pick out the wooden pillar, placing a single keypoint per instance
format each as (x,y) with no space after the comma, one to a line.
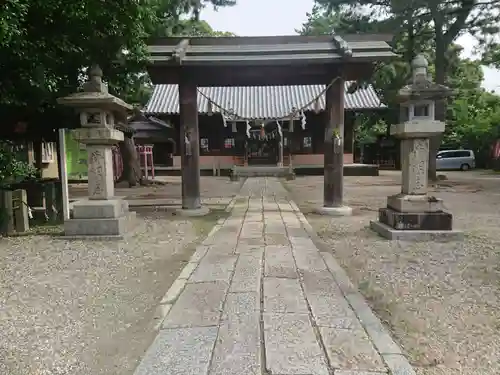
(334,154)
(190,144)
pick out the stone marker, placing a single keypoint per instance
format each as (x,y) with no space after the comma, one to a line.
(102,214)
(414,214)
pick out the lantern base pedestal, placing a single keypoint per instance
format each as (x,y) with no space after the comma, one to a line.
(415,226)
(187,212)
(333,211)
(99,219)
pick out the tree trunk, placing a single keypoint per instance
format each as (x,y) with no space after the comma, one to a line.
(131,166)
(440,110)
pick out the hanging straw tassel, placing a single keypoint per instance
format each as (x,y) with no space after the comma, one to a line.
(210,109)
(317,107)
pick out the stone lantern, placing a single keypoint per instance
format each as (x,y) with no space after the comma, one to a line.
(102,214)
(413,214)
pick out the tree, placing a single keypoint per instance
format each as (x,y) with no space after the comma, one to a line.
(46,46)
(446,19)
(63,38)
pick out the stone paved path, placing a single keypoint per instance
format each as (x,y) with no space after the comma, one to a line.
(258,297)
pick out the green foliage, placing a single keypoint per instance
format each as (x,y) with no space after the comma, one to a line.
(368,131)
(474,123)
(491,55)
(12,169)
(46,45)
(473,119)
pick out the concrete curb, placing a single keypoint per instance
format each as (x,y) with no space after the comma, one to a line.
(390,352)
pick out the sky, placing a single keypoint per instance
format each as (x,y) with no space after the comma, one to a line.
(282,17)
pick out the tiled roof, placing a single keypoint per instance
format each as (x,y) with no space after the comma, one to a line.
(259,102)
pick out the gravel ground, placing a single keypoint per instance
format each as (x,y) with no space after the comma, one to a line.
(85,308)
(440,300)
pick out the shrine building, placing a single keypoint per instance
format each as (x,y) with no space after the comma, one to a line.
(253,140)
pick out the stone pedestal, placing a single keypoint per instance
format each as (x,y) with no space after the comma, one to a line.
(99,219)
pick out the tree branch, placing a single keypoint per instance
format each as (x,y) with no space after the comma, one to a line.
(457,26)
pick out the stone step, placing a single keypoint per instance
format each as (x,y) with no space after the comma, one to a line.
(261,171)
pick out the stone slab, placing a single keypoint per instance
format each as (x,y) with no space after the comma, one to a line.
(199,305)
(99,209)
(172,352)
(328,305)
(276,239)
(237,350)
(247,275)
(214,268)
(416,220)
(416,235)
(283,296)
(351,350)
(99,227)
(252,242)
(241,303)
(308,259)
(291,347)
(279,262)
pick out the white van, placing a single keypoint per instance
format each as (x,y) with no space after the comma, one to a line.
(455,160)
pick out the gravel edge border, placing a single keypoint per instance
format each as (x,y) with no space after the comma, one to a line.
(389,350)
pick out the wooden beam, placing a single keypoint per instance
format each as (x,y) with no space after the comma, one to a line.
(258,76)
(190,145)
(333,190)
